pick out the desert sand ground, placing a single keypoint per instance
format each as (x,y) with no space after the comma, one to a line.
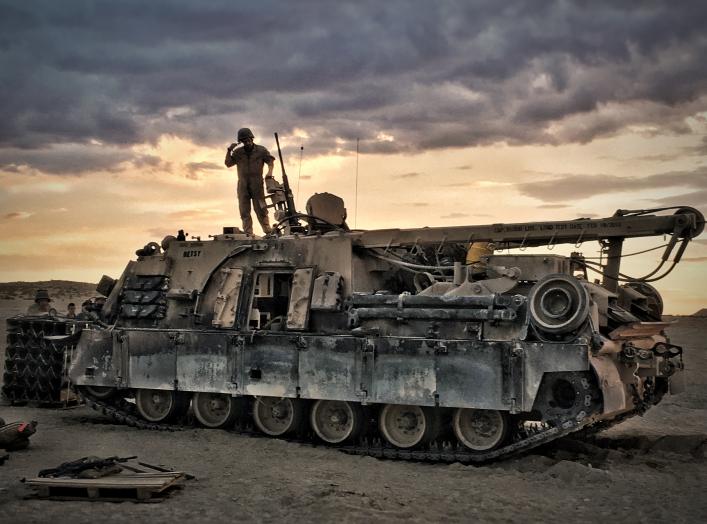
(649,469)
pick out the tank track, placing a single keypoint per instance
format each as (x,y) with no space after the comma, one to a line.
(125,412)
(35,363)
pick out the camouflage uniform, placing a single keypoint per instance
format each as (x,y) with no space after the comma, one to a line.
(250,183)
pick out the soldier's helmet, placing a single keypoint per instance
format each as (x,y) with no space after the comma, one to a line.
(243,133)
(42,294)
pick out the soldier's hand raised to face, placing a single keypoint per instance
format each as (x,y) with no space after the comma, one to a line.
(232,146)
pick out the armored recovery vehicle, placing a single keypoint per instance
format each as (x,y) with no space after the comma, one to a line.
(404,343)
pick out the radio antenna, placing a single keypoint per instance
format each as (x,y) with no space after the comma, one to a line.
(299,173)
(356,189)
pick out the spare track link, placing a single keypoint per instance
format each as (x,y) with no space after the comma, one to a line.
(125,413)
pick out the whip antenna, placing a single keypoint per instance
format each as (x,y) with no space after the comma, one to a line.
(356,189)
(299,173)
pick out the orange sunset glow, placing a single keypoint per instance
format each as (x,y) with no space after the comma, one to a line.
(106,147)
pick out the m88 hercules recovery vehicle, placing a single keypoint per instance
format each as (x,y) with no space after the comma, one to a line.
(393,342)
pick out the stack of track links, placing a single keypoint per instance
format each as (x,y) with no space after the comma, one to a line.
(36,359)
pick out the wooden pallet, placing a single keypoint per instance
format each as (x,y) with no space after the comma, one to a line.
(138,487)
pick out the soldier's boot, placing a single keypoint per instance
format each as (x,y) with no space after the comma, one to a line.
(261,211)
(247,225)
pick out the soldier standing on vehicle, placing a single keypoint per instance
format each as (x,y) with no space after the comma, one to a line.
(250,160)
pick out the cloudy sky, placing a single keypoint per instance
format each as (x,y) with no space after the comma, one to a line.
(114,117)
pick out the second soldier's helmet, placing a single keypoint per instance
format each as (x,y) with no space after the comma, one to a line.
(244,132)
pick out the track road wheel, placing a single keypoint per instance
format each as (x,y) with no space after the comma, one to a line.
(336,421)
(408,426)
(160,405)
(277,416)
(215,410)
(480,429)
(99,392)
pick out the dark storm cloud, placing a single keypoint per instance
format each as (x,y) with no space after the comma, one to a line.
(570,187)
(696,199)
(665,157)
(206,166)
(194,169)
(696,150)
(429,75)
(65,159)
(699,150)
(147,161)
(17,215)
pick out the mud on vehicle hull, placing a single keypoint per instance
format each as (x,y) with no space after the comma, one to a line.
(408,339)
(418,399)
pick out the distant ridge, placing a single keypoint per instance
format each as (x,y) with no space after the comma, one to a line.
(701,313)
(56,288)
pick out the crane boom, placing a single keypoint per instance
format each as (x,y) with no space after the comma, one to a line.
(687,222)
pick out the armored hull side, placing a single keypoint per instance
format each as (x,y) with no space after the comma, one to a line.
(331,335)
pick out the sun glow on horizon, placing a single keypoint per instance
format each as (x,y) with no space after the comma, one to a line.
(80,227)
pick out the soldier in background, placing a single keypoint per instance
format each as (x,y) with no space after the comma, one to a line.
(86,307)
(98,303)
(41,304)
(91,308)
(250,160)
(71,310)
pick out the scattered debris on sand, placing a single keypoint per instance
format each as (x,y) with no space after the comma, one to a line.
(15,435)
(113,479)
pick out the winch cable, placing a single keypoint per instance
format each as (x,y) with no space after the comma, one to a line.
(628,254)
(640,212)
(409,265)
(627,278)
(587,262)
